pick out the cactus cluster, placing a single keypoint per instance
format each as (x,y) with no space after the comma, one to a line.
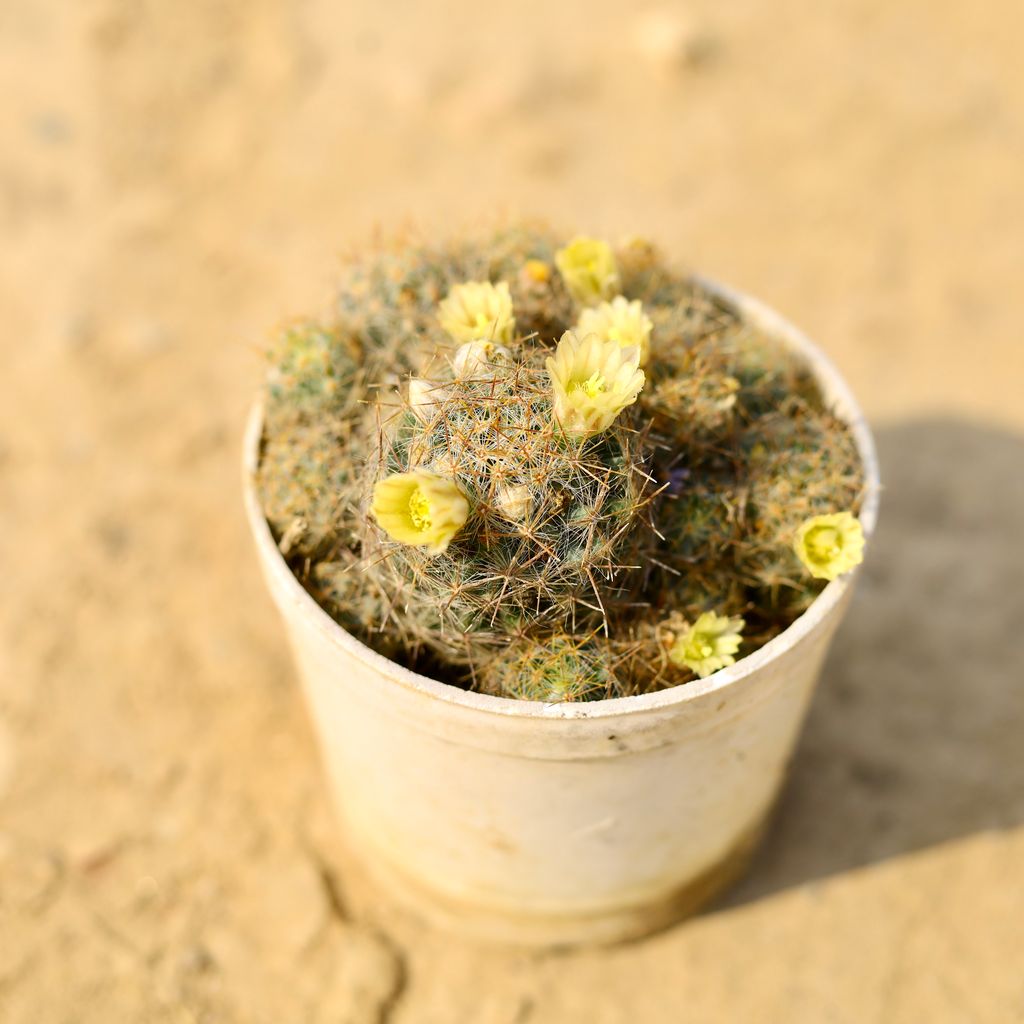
(551,471)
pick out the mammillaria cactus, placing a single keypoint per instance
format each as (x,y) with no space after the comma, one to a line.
(551,494)
(552,471)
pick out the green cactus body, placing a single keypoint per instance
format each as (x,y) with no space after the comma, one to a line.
(553,669)
(541,560)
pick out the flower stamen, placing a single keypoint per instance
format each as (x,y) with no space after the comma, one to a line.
(419,510)
(593,386)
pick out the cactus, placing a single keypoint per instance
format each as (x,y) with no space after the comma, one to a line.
(312,390)
(800,462)
(545,469)
(553,668)
(552,515)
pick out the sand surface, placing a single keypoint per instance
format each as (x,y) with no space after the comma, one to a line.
(178,177)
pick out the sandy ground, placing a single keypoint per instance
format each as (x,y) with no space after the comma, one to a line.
(177,177)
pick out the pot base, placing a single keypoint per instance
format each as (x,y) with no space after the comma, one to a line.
(604,927)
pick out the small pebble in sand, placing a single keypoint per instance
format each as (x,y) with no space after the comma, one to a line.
(671,41)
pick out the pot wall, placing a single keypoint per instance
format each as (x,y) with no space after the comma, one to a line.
(557,823)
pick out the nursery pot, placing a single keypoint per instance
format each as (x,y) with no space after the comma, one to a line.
(559,823)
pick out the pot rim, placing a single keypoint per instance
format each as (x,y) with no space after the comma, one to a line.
(838,396)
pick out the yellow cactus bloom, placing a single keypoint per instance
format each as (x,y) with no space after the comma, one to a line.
(621,321)
(475,357)
(420,508)
(830,545)
(537,271)
(478,309)
(592,381)
(589,270)
(709,644)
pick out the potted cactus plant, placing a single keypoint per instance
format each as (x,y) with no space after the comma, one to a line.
(560,534)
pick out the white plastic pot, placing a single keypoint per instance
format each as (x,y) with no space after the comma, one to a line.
(553,824)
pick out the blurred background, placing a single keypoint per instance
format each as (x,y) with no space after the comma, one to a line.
(177,178)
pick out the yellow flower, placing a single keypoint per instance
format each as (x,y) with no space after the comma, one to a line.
(474,357)
(588,268)
(709,644)
(420,508)
(621,321)
(592,381)
(537,271)
(830,545)
(478,309)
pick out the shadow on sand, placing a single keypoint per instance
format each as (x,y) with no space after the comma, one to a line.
(916,736)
